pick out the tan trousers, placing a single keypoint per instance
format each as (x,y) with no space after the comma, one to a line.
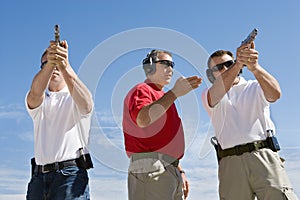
(150,179)
(258,174)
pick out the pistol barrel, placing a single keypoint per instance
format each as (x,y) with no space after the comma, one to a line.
(56,33)
(251,37)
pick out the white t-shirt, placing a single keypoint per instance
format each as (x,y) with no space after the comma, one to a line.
(59,129)
(242,115)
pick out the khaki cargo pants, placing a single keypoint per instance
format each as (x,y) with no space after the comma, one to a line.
(258,174)
(152,179)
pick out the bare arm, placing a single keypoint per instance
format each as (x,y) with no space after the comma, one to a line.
(186,185)
(269,85)
(39,84)
(222,84)
(79,92)
(150,113)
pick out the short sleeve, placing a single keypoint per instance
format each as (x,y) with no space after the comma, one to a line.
(208,109)
(139,98)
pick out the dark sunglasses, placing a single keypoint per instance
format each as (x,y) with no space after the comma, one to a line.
(166,62)
(43,64)
(220,66)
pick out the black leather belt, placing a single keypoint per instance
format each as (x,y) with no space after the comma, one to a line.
(55,166)
(240,149)
(155,155)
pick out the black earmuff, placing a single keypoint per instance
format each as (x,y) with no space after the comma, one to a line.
(210,76)
(148,62)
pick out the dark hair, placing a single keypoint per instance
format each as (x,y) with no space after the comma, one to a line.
(219,53)
(45,52)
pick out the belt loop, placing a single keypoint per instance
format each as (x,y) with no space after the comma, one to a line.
(237,150)
(35,170)
(56,166)
(160,156)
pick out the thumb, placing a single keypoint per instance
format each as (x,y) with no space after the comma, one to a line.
(252,45)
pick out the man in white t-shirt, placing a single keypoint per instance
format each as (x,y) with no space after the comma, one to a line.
(60,106)
(249,165)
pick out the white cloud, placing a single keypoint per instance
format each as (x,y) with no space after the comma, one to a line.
(13,183)
(26,136)
(12,111)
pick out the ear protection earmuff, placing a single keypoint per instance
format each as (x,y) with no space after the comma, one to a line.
(148,62)
(210,76)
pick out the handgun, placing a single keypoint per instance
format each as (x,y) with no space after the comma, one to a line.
(56,35)
(251,37)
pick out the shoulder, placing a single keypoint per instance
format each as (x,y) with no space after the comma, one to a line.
(140,87)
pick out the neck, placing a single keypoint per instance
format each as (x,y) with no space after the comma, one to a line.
(54,87)
(159,86)
(236,81)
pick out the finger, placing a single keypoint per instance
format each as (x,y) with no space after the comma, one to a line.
(51,56)
(195,81)
(59,51)
(195,85)
(192,78)
(66,44)
(63,44)
(252,45)
(244,46)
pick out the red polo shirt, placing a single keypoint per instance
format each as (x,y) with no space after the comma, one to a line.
(165,135)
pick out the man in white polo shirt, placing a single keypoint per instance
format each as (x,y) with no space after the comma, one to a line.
(60,106)
(249,165)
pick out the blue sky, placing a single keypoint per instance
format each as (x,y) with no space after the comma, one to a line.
(107,41)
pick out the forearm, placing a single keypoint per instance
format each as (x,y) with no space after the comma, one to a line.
(150,113)
(222,84)
(268,83)
(79,92)
(38,87)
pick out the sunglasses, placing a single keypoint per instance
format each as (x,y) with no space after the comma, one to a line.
(43,64)
(166,62)
(220,66)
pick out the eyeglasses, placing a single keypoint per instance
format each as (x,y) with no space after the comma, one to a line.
(166,62)
(220,66)
(43,64)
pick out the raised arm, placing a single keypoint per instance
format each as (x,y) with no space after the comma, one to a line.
(79,92)
(39,84)
(222,84)
(269,85)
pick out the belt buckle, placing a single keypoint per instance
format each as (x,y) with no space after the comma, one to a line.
(43,169)
(53,167)
(256,145)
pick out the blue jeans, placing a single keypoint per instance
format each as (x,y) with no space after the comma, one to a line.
(68,183)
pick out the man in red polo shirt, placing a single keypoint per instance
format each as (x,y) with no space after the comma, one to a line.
(154,137)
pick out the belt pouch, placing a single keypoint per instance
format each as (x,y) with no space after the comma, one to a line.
(33,165)
(84,161)
(273,143)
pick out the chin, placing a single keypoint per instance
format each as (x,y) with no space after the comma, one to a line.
(167,82)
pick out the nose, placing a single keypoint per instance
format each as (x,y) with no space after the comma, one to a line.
(224,68)
(169,68)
